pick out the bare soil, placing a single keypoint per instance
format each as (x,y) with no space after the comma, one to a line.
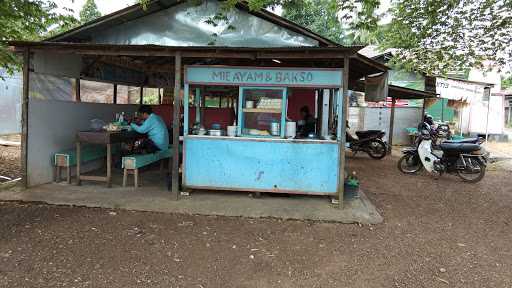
(10,163)
(437,233)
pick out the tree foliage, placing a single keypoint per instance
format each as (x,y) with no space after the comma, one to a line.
(506,82)
(325,18)
(440,36)
(89,12)
(26,20)
(319,16)
(434,36)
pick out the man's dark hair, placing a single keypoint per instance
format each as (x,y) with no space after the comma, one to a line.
(145,109)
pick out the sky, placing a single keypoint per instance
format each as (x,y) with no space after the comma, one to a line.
(105,6)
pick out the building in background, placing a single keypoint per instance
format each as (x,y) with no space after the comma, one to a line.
(10,103)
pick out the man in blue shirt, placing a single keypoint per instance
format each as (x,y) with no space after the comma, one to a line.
(155,128)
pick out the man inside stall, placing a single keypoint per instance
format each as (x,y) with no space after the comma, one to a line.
(306,125)
(154,128)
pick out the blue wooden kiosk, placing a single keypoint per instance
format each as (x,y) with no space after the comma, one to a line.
(256,159)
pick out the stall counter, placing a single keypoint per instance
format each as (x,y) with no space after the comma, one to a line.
(294,166)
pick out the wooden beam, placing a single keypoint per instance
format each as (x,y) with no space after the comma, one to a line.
(24,118)
(391,123)
(300,55)
(176,128)
(77,90)
(251,54)
(114,97)
(342,141)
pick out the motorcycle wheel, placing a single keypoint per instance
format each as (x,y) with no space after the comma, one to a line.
(471,176)
(410,164)
(376,149)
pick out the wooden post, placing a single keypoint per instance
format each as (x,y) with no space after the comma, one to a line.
(423,108)
(78,162)
(109,165)
(319,115)
(114,97)
(176,127)
(24,118)
(197,100)
(141,99)
(77,90)
(391,124)
(342,139)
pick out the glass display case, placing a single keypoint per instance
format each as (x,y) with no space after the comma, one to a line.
(262,111)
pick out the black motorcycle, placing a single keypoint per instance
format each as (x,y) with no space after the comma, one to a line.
(369,141)
(466,158)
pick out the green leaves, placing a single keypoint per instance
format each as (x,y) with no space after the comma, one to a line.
(437,37)
(89,12)
(25,20)
(431,36)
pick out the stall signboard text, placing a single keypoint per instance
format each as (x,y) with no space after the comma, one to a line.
(296,77)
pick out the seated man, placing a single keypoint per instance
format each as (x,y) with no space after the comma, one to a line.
(156,130)
(307,125)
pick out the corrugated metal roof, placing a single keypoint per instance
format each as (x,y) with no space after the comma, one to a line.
(136,11)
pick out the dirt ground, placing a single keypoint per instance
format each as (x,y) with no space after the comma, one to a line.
(10,164)
(436,233)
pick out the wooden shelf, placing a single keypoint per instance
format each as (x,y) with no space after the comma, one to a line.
(262,110)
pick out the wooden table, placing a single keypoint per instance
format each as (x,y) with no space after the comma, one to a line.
(104,138)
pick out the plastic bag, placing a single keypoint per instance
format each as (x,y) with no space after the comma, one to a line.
(97,124)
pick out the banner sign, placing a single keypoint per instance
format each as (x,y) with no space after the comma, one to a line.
(376,88)
(459,90)
(256,76)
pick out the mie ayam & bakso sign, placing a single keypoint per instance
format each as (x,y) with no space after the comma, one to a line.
(245,76)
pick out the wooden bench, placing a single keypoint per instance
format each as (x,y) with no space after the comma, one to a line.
(67,159)
(132,163)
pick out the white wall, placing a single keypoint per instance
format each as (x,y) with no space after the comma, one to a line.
(57,64)
(10,103)
(52,127)
(375,118)
(474,116)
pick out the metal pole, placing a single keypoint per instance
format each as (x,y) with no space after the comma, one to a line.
(197,100)
(141,96)
(487,92)
(24,118)
(176,127)
(341,132)
(391,123)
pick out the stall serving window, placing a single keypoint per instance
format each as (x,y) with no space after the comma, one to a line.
(258,102)
(262,112)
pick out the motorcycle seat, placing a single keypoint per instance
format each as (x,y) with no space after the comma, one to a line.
(368,134)
(459,147)
(466,140)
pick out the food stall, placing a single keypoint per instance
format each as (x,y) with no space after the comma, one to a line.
(261,151)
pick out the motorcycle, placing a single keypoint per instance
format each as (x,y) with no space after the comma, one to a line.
(369,141)
(465,158)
